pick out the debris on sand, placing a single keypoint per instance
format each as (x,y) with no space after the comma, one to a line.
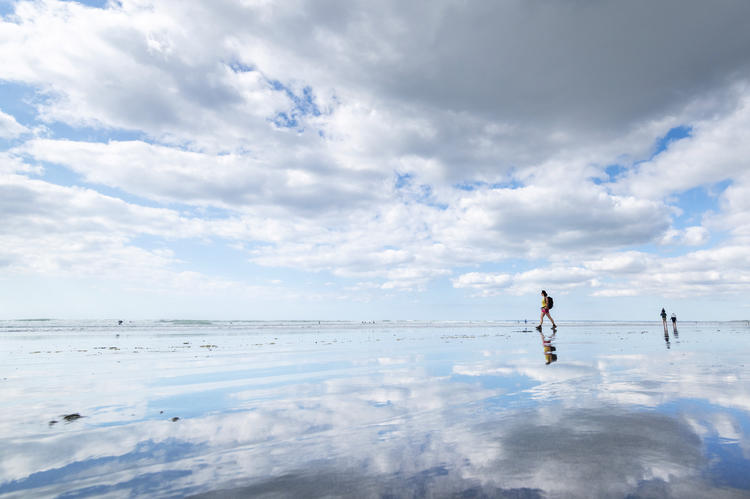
(69,418)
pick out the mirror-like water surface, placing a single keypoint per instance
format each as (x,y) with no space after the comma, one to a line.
(220,409)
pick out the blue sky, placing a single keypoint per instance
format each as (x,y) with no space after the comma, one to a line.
(436,161)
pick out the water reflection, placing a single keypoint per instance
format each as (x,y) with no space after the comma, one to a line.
(550,350)
(440,411)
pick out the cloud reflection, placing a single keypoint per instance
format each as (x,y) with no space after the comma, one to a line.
(420,423)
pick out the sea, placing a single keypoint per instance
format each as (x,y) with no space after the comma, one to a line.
(470,409)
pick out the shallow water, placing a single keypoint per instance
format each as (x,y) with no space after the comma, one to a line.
(408,409)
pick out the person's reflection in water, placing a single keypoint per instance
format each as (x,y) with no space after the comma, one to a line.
(666,338)
(549,349)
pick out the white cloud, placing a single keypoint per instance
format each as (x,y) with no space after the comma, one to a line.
(166,68)
(9,127)
(692,236)
(11,163)
(719,270)
(406,240)
(397,144)
(172,175)
(715,151)
(485,284)
(559,277)
(68,231)
(621,263)
(561,215)
(722,270)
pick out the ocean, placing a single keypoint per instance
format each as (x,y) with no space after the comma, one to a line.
(373,409)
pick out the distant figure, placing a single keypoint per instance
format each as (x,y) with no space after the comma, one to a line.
(674,323)
(119,323)
(545,311)
(664,319)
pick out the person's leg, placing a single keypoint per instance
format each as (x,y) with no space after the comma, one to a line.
(541,319)
(551,319)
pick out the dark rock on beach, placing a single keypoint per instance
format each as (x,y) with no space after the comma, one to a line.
(68,418)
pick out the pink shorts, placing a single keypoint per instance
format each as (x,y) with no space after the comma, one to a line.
(545,310)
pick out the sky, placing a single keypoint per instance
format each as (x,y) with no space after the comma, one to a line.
(365,160)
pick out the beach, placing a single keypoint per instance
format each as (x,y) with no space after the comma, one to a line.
(351,409)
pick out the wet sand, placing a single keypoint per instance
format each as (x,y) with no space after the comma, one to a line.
(220,409)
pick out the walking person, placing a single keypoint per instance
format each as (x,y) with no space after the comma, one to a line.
(664,319)
(674,323)
(546,305)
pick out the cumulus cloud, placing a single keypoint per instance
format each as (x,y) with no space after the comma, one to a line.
(172,175)
(560,277)
(11,163)
(397,144)
(70,231)
(520,79)
(397,230)
(714,151)
(9,127)
(690,236)
(484,284)
(722,270)
(560,214)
